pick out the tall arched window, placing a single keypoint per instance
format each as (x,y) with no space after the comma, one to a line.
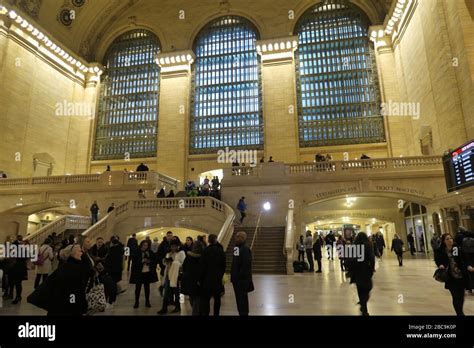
(127,124)
(226,101)
(338,91)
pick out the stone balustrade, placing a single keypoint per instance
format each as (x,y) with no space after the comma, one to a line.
(58,226)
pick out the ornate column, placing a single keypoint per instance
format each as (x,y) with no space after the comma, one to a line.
(173,127)
(279,98)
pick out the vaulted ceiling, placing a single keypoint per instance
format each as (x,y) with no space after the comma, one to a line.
(87,27)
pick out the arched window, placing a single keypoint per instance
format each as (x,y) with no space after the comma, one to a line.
(338,91)
(226,101)
(127,124)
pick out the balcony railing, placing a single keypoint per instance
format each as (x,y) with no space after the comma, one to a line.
(106,178)
(166,205)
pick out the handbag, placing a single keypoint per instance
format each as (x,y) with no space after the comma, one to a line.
(41,297)
(95,297)
(441,275)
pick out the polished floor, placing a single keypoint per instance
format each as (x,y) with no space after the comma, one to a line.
(407,290)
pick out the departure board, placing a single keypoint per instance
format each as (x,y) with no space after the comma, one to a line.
(459,167)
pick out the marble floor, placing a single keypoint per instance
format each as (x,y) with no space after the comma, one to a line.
(407,290)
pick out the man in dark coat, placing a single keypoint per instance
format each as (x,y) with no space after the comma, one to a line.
(114,260)
(213,269)
(411,242)
(94,212)
(317,246)
(241,273)
(163,249)
(132,245)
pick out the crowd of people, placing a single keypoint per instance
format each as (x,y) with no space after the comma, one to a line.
(454,258)
(71,268)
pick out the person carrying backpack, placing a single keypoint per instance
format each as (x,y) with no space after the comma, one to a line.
(44,263)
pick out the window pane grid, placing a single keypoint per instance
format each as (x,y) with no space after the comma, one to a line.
(129,96)
(227,100)
(338,92)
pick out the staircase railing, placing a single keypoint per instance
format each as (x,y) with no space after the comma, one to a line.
(288,246)
(227,229)
(58,226)
(256,231)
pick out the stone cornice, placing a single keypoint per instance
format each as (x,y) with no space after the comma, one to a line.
(277,50)
(175,63)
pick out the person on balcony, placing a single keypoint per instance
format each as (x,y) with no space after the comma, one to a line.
(241,273)
(108,169)
(143,272)
(171,194)
(271,160)
(44,263)
(142,168)
(328,157)
(242,208)
(161,194)
(94,212)
(141,194)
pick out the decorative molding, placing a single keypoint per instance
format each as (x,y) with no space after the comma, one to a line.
(34,40)
(277,50)
(175,63)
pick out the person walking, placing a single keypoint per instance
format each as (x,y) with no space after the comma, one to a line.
(94,212)
(379,244)
(450,258)
(308,244)
(143,272)
(132,245)
(397,247)
(411,243)
(330,240)
(301,249)
(241,273)
(213,268)
(44,264)
(317,250)
(361,270)
(340,251)
(163,249)
(111,208)
(242,208)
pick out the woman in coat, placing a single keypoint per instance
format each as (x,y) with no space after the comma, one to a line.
(143,272)
(451,258)
(361,270)
(44,264)
(68,290)
(174,261)
(397,247)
